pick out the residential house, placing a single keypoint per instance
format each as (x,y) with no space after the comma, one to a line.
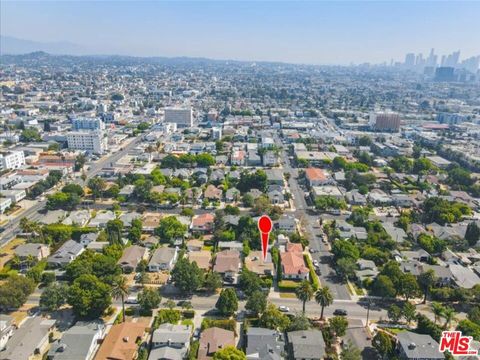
(238,157)
(228,262)
(397,234)
(355,198)
(254,262)
(269,158)
(264,344)
(326,190)
(293,263)
(86,239)
(213,193)
(317,177)
(128,217)
(202,223)
(464,277)
(150,221)
(203,258)
(274,177)
(32,250)
(29,339)
(232,195)
(68,252)
(276,197)
(306,344)
(78,342)
(121,342)
(131,258)
(97,246)
(79,217)
(379,197)
(413,346)
(366,270)
(214,339)
(253,159)
(170,341)
(164,258)
(230,245)
(416,255)
(127,191)
(194,245)
(287,223)
(102,218)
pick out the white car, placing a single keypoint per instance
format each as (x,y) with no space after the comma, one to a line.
(283,308)
(131,300)
(315,263)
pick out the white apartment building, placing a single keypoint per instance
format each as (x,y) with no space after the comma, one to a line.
(91,141)
(83,123)
(4,204)
(11,160)
(183,117)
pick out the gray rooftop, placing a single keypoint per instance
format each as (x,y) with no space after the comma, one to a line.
(264,344)
(307,344)
(77,341)
(419,346)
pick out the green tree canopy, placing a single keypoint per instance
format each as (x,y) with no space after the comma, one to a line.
(54,296)
(89,297)
(227,303)
(256,303)
(169,229)
(149,299)
(187,276)
(229,353)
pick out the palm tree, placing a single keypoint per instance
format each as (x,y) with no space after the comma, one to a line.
(449,316)
(324,298)
(304,293)
(438,310)
(120,290)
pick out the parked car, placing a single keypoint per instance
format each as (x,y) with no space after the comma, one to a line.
(283,308)
(131,300)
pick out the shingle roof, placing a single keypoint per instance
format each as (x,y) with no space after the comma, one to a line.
(419,346)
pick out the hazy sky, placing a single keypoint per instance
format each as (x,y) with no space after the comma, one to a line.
(301,32)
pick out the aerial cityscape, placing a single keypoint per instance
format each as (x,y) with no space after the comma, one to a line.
(195,206)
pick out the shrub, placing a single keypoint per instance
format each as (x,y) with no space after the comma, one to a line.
(166,316)
(313,275)
(188,314)
(227,324)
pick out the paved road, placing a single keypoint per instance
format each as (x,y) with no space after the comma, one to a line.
(33,214)
(310,224)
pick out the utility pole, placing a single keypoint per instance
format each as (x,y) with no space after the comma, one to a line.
(368,311)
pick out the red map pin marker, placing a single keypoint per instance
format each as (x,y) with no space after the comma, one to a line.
(265,226)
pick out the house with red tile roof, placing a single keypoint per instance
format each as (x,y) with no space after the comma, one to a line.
(202,223)
(293,263)
(317,177)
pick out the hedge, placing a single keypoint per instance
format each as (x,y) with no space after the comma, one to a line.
(313,275)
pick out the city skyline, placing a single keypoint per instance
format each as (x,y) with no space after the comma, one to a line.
(330,33)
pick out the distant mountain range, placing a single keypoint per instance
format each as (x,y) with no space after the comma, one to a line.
(14,46)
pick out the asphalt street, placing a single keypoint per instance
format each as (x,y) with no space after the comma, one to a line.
(312,229)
